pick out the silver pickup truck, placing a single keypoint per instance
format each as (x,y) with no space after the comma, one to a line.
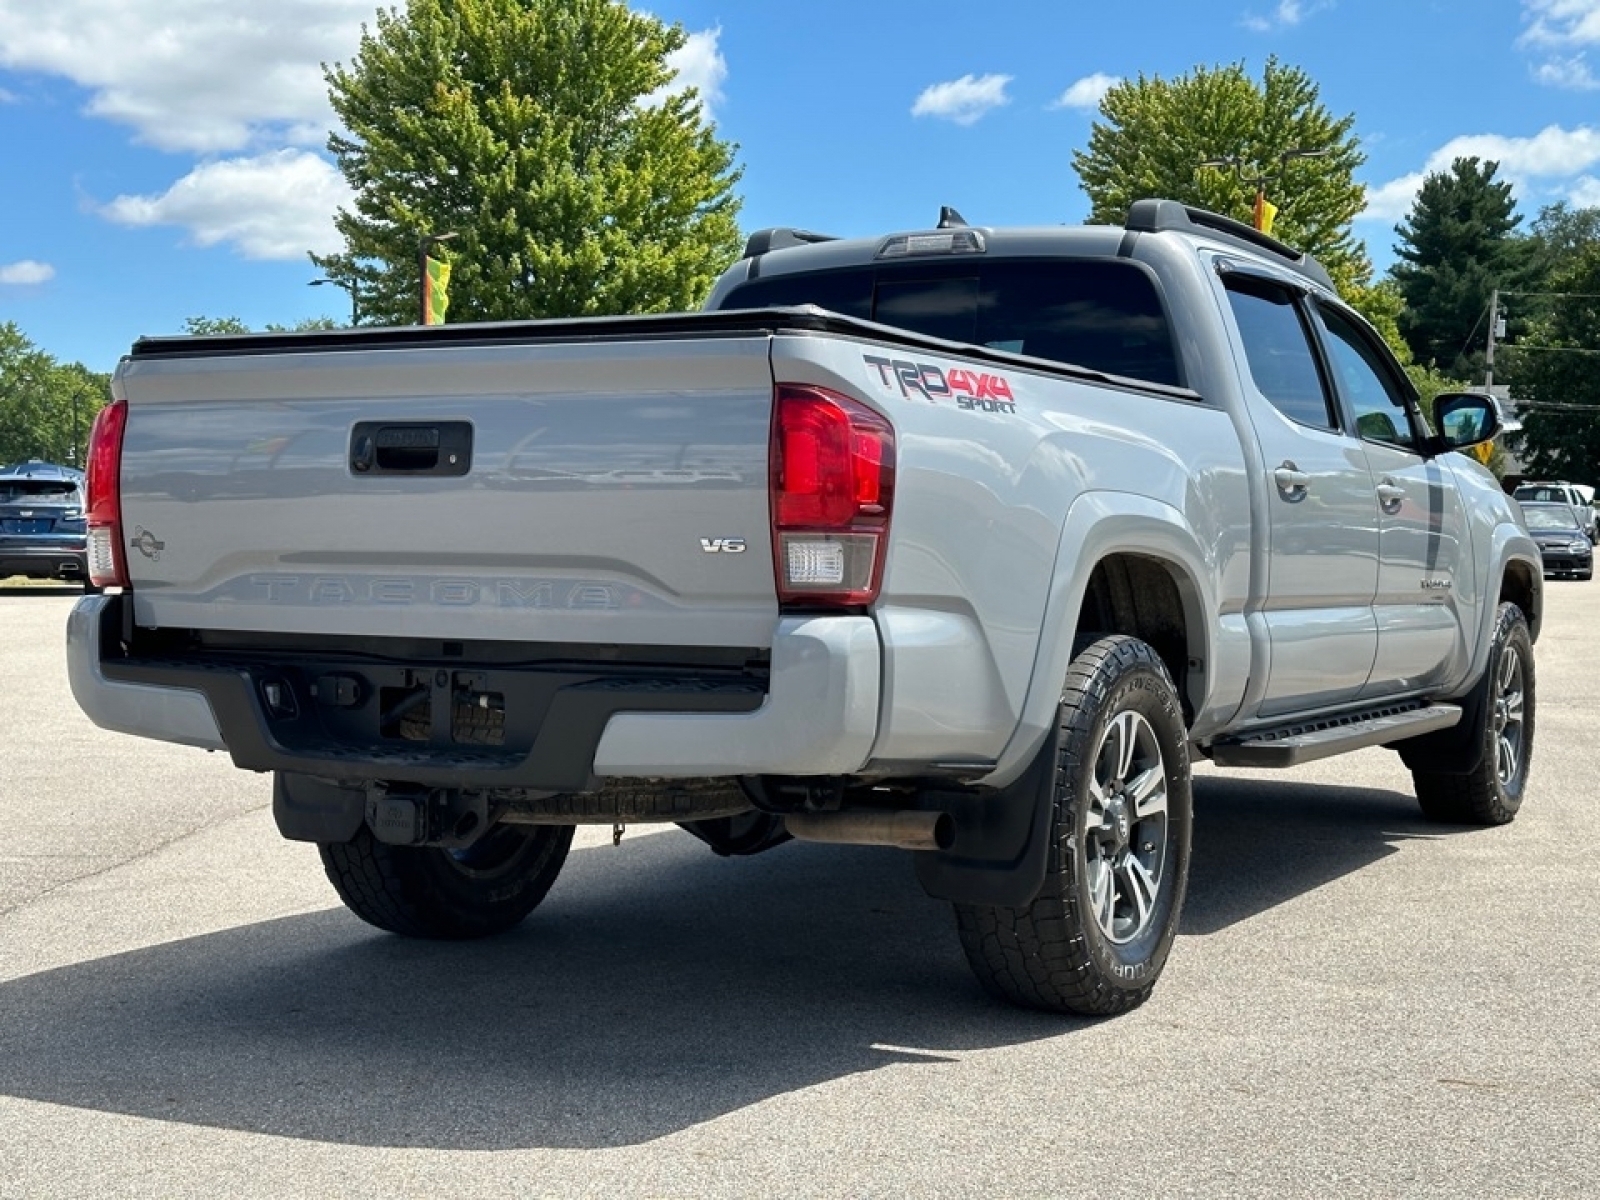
(962,541)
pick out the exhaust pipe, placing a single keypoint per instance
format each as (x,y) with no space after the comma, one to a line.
(907,829)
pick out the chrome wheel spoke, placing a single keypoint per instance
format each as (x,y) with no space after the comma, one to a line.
(1508,670)
(1149,792)
(1507,756)
(1138,887)
(1102,893)
(1098,802)
(1125,732)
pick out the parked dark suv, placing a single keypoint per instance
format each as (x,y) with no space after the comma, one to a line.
(1563,542)
(42,531)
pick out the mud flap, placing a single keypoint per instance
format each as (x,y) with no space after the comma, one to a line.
(1453,751)
(1001,847)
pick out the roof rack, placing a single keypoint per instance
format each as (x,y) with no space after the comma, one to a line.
(1156,216)
(781,238)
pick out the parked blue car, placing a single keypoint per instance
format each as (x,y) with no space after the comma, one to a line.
(42,529)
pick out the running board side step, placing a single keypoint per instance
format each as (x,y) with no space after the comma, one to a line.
(1290,745)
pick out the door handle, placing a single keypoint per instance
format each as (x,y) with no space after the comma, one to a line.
(1292,482)
(1390,496)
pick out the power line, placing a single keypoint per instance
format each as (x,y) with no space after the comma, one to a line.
(1548,349)
(1568,295)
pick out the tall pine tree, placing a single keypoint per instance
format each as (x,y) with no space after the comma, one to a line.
(541,135)
(1456,246)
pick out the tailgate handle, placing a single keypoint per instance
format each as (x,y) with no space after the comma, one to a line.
(411,448)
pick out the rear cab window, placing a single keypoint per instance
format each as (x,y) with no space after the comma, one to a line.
(1103,315)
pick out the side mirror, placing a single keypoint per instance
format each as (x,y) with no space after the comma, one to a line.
(1465,419)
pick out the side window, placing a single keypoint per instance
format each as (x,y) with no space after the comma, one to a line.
(1278,348)
(1365,381)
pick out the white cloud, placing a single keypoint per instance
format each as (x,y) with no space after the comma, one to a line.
(964,100)
(1286,15)
(699,64)
(1552,154)
(27,272)
(206,76)
(1391,201)
(8,97)
(238,86)
(273,206)
(1584,192)
(1561,23)
(1087,92)
(1572,74)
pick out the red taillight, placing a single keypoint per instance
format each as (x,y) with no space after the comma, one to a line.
(832,484)
(107,565)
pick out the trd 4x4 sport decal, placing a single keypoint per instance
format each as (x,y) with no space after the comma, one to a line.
(972,390)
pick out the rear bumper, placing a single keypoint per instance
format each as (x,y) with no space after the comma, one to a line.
(168,714)
(563,727)
(51,558)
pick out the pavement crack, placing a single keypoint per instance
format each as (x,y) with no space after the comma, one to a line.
(7,909)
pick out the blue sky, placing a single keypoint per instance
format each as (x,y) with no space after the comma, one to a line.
(164,158)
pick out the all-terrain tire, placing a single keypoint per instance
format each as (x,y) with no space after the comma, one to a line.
(1094,939)
(428,892)
(1491,793)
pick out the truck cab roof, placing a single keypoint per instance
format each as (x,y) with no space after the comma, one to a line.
(784,250)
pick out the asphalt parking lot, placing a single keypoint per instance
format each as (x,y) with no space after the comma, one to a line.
(1360,1003)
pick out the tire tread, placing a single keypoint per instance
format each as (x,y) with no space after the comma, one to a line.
(399,890)
(1037,955)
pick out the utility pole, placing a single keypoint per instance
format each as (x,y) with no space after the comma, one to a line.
(1495,328)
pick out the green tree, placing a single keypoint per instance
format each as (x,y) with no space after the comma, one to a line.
(538,133)
(1153,135)
(206,326)
(1554,365)
(1560,231)
(1456,246)
(46,406)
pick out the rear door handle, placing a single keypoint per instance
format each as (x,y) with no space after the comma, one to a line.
(1292,481)
(1390,496)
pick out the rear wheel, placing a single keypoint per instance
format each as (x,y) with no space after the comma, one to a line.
(429,892)
(1491,793)
(1096,936)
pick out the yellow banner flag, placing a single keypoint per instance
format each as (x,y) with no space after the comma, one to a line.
(435,292)
(1265,211)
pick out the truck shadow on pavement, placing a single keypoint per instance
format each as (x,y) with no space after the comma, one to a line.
(658,988)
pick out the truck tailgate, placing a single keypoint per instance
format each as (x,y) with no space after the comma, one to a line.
(571,491)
